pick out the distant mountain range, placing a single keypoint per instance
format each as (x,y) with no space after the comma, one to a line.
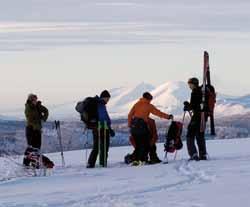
(168,97)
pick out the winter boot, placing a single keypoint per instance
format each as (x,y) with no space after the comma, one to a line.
(194,158)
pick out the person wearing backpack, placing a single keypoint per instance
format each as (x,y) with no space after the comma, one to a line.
(101,132)
(194,132)
(138,122)
(35,114)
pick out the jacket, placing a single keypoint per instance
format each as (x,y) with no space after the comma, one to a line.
(142,109)
(103,115)
(35,114)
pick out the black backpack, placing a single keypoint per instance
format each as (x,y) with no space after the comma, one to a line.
(88,110)
(173,137)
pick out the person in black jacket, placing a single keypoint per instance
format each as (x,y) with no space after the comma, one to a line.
(194,132)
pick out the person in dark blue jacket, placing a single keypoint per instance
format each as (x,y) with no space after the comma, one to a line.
(102,133)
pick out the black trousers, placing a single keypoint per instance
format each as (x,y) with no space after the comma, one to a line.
(34,137)
(34,140)
(153,153)
(195,134)
(104,140)
(142,148)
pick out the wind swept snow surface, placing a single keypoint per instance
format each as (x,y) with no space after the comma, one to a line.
(221,181)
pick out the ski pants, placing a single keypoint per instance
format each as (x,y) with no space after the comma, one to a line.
(34,137)
(96,147)
(195,134)
(142,148)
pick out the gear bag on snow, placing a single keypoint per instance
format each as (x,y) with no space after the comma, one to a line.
(173,137)
(88,111)
(32,159)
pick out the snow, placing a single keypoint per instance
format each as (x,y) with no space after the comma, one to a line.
(221,181)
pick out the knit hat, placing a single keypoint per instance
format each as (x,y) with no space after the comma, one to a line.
(194,81)
(148,96)
(32,96)
(105,94)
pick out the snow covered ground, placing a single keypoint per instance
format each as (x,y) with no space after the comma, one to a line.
(221,181)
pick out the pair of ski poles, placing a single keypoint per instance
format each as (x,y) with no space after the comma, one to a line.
(59,135)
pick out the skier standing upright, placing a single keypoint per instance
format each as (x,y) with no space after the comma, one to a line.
(35,114)
(194,132)
(100,132)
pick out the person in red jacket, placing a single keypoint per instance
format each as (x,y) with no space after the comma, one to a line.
(142,126)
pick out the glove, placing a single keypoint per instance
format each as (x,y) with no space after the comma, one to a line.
(186,106)
(171,116)
(111,132)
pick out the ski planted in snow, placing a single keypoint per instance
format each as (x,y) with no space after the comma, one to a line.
(205,71)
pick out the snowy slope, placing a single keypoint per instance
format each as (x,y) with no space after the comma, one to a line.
(221,181)
(121,97)
(170,96)
(228,106)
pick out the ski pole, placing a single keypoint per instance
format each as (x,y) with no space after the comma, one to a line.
(175,155)
(59,135)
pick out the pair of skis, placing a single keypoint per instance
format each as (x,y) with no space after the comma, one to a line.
(206,82)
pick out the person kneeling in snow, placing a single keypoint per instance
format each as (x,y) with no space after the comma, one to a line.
(153,157)
(143,129)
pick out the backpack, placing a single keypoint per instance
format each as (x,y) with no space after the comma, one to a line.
(88,110)
(32,158)
(210,99)
(173,137)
